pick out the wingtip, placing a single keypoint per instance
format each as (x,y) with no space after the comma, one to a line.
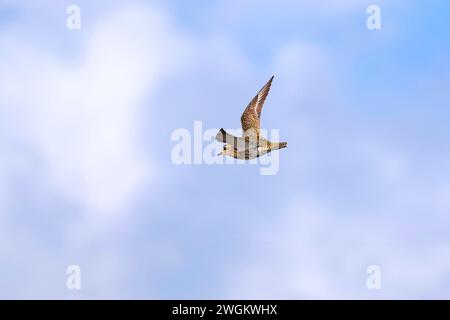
(220,136)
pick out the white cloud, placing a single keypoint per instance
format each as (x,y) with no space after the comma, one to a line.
(317,253)
(82,117)
(72,124)
(78,121)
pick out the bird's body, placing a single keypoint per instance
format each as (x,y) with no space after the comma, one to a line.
(251,145)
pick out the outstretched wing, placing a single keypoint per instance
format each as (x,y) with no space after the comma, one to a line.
(250,119)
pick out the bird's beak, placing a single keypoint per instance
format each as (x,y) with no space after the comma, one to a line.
(220,153)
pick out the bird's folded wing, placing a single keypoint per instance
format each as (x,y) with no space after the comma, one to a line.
(251,116)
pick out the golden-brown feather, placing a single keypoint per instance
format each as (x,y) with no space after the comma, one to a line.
(250,119)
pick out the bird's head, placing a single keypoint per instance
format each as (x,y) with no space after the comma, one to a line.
(226,151)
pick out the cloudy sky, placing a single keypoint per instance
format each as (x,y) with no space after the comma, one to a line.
(87,178)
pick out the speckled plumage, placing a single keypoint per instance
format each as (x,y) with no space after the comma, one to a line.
(251,145)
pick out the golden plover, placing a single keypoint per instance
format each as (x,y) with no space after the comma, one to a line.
(251,145)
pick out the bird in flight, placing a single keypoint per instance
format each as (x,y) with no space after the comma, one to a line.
(251,145)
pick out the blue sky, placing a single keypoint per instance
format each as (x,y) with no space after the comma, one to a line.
(86,176)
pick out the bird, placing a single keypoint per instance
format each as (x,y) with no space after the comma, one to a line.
(251,145)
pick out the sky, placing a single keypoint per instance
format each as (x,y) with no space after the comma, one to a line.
(87,177)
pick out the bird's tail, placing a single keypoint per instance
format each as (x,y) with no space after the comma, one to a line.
(278,145)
